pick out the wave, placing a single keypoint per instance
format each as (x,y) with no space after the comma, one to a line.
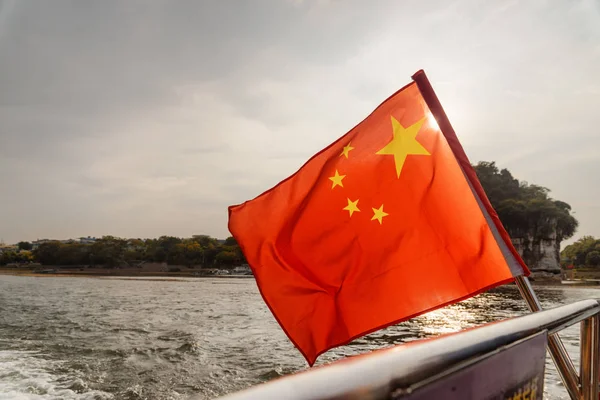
(26,375)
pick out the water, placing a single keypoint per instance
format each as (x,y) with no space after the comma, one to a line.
(80,338)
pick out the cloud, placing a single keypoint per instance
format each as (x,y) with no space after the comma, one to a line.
(148,118)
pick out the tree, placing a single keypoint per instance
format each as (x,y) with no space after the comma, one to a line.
(168,243)
(108,251)
(132,255)
(160,255)
(210,253)
(230,241)
(73,254)
(189,253)
(578,252)
(226,258)
(499,185)
(7,257)
(113,251)
(205,240)
(593,258)
(24,246)
(525,210)
(47,253)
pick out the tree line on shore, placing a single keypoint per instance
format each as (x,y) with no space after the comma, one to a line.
(526,210)
(583,253)
(110,251)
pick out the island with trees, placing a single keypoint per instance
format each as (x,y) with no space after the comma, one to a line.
(536,223)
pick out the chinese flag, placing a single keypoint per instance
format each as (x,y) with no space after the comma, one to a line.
(384,224)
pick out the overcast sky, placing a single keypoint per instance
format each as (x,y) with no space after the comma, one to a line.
(144,118)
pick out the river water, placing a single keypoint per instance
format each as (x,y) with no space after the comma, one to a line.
(84,338)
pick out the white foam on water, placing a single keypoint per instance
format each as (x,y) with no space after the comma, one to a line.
(27,375)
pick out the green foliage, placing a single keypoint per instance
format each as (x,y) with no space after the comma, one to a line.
(16,257)
(525,210)
(73,254)
(205,240)
(189,252)
(582,253)
(226,257)
(593,258)
(110,251)
(24,246)
(48,253)
(230,241)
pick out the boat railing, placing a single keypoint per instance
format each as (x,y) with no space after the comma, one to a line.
(404,370)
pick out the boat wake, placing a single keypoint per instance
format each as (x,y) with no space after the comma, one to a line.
(28,375)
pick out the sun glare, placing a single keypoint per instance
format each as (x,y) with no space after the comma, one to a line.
(431,122)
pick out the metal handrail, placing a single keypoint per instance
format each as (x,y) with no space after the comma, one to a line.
(380,374)
(564,364)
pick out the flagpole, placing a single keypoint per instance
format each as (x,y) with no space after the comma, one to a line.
(557,349)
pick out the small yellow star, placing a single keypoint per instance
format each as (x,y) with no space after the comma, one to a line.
(351,207)
(337,179)
(378,214)
(346,150)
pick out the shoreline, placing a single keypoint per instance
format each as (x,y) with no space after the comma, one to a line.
(172,276)
(118,274)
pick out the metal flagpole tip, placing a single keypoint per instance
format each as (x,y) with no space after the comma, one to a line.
(416,74)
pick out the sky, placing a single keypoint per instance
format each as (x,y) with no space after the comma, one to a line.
(149,118)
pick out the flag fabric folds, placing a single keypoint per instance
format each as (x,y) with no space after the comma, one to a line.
(381,226)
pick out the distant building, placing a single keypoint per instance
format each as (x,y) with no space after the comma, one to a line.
(83,240)
(37,243)
(87,240)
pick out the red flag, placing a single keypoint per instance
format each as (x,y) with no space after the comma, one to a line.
(379,227)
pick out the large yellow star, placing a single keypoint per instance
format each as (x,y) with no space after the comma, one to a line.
(378,214)
(404,143)
(346,150)
(351,207)
(337,179)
